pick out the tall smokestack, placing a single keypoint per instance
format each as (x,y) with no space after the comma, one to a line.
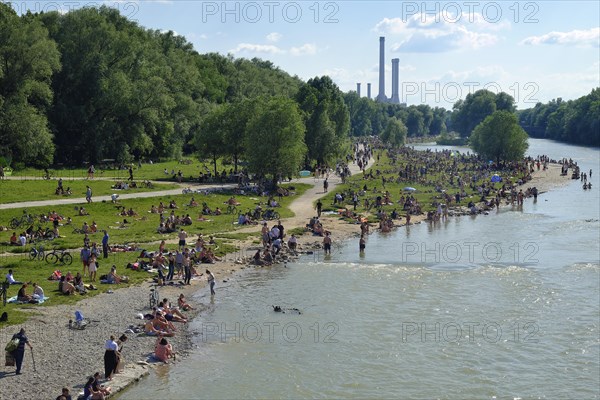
(368,90)
(395,84)
(358,89)
(381,96)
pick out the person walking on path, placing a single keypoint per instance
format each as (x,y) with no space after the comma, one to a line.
(325,185)
(319,208)
(88,194)
(19,353)
(211,281)
(105,244)
(130,174)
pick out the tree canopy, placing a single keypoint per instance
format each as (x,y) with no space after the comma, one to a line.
(28,59)
(576,121)
(275,139)
(471,111)
(499,137)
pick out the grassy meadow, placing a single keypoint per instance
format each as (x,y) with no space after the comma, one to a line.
(140,231)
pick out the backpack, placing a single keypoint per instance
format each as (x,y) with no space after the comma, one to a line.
(4,317)
(12,345)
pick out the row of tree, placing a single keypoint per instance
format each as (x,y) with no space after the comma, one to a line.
(91,85)
(368,117)
(573,121)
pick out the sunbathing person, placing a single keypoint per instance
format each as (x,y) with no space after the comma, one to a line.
(163,350)
(182,303)
(22,295)
(65,286)
(96,386)
(151,330)
(171,314)
(112,276)
(161,323)
(90,393)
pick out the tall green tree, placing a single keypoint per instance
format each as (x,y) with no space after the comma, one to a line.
(327,118)
(28,58)
(395,132)
(476,107)
(275,139)
(499,137)
(210,139)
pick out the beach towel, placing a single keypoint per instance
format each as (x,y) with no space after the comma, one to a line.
(14,300)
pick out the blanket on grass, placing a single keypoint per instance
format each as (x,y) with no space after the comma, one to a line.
(40,300)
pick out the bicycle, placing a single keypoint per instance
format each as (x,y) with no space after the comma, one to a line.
(62,257)
(270,214)
(37,253)
(25,219)
(154,297)
(78,231)
(231,209)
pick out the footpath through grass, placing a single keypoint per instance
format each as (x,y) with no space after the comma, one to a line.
(16,191)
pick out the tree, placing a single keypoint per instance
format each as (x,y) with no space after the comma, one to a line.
(476,107)
(395,132)
(327,118)
(499,137)
(210,138)
(28,58)
(275,139)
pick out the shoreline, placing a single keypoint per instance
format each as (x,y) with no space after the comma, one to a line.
(64,356)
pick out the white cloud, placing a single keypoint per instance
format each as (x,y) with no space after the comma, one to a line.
(307,49)
(274,37)
(589,37)
(256,48)
(441,32)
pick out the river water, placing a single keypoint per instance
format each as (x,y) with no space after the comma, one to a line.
(499,306)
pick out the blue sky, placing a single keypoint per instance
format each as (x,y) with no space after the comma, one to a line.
(535,51)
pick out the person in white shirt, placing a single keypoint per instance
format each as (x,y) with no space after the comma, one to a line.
(11,280)
(23,239)
(38,292)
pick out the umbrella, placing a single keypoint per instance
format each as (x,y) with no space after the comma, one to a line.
(409,189)
(496,178)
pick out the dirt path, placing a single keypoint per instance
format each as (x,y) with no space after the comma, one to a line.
(122,196)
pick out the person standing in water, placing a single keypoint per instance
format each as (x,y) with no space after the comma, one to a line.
(211,281)
(362,244)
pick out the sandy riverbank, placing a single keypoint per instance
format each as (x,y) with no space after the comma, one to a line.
(65,357)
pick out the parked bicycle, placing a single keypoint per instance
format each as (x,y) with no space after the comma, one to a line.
(25,219)
(43,234)
(270,214)
(37,253)
(62,257)
(231,209)
(154,296)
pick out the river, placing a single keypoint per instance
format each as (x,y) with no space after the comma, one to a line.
(499,306)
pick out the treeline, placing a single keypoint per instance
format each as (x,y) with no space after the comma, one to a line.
(91,85)
(573,121)
(368,117)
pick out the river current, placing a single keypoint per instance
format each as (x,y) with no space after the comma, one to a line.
(499,306)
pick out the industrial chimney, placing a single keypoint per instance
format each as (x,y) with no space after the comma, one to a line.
(368,90)
(395,84)
(358,89)
(381,96)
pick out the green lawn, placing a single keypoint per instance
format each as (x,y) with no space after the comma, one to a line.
(140,231)
(190,168)
(13,191)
